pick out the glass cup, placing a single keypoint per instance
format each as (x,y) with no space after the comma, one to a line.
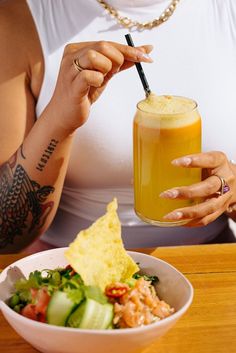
(158,138)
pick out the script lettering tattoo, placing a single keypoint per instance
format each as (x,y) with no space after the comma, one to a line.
(47,154)
(23,205)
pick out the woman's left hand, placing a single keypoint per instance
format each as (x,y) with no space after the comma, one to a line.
(218,189)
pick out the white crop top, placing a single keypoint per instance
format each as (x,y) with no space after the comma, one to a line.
(194,56)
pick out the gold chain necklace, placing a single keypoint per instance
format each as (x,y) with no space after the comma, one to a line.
(128,23)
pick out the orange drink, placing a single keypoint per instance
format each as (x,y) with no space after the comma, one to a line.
(165,128)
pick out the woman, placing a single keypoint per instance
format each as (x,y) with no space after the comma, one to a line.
(58,152)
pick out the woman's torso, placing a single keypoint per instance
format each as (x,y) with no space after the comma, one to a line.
(194,56)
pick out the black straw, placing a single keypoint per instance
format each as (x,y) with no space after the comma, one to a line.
(139,68)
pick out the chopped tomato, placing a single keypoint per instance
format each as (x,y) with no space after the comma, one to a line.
(41,317)
(33,292)
(37,311)
(42,301)
(29,312)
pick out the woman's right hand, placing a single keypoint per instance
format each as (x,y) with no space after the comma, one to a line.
(76,90)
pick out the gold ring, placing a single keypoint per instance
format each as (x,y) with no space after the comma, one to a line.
(224,187)
(77,65)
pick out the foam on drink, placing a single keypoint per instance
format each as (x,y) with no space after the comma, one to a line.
(173,111)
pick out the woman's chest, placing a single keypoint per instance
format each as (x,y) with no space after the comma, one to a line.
(194,56)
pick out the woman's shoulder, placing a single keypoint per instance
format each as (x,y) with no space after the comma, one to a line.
(19,44)
(16,26)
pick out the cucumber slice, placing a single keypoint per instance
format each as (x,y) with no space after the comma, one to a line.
(95,293)
(59,308)
(92,315)
(76,317)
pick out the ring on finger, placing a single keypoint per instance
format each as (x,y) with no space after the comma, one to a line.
(224,187)
(77,65)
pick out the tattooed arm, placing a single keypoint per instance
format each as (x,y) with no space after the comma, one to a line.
(27,205)
(31,177)
(23,206)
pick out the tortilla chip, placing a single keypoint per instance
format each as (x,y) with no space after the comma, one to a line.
(98,254)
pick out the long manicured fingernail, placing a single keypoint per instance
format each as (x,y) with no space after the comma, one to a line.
(149,47)
(174,215)
(170,194)
(144,56)
(185,161)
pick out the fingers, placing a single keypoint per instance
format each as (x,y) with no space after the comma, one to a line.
(85,70)
(201,160)
(205,188)
(202,210)
(220,180)
(111,53)
(215,164)
(200,222)
(93,60)
(106,56)
(129,53)
(118,54)
(127,64)
(86,79)
(146,48)
(134,54)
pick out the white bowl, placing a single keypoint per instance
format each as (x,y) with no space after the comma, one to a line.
(172,287)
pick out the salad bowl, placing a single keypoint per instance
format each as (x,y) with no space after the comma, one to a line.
(173,287)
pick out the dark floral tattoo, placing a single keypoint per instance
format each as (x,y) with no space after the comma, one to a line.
(23,205)
(47,154)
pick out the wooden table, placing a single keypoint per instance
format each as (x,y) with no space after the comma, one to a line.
(209,326)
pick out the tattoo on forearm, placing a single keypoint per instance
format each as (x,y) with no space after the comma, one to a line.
(23,204)
(47,154)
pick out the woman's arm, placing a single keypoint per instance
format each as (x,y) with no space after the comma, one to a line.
(35,155)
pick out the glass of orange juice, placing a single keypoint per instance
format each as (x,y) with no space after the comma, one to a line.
(165,128)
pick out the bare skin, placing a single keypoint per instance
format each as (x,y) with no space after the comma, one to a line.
(34,153)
